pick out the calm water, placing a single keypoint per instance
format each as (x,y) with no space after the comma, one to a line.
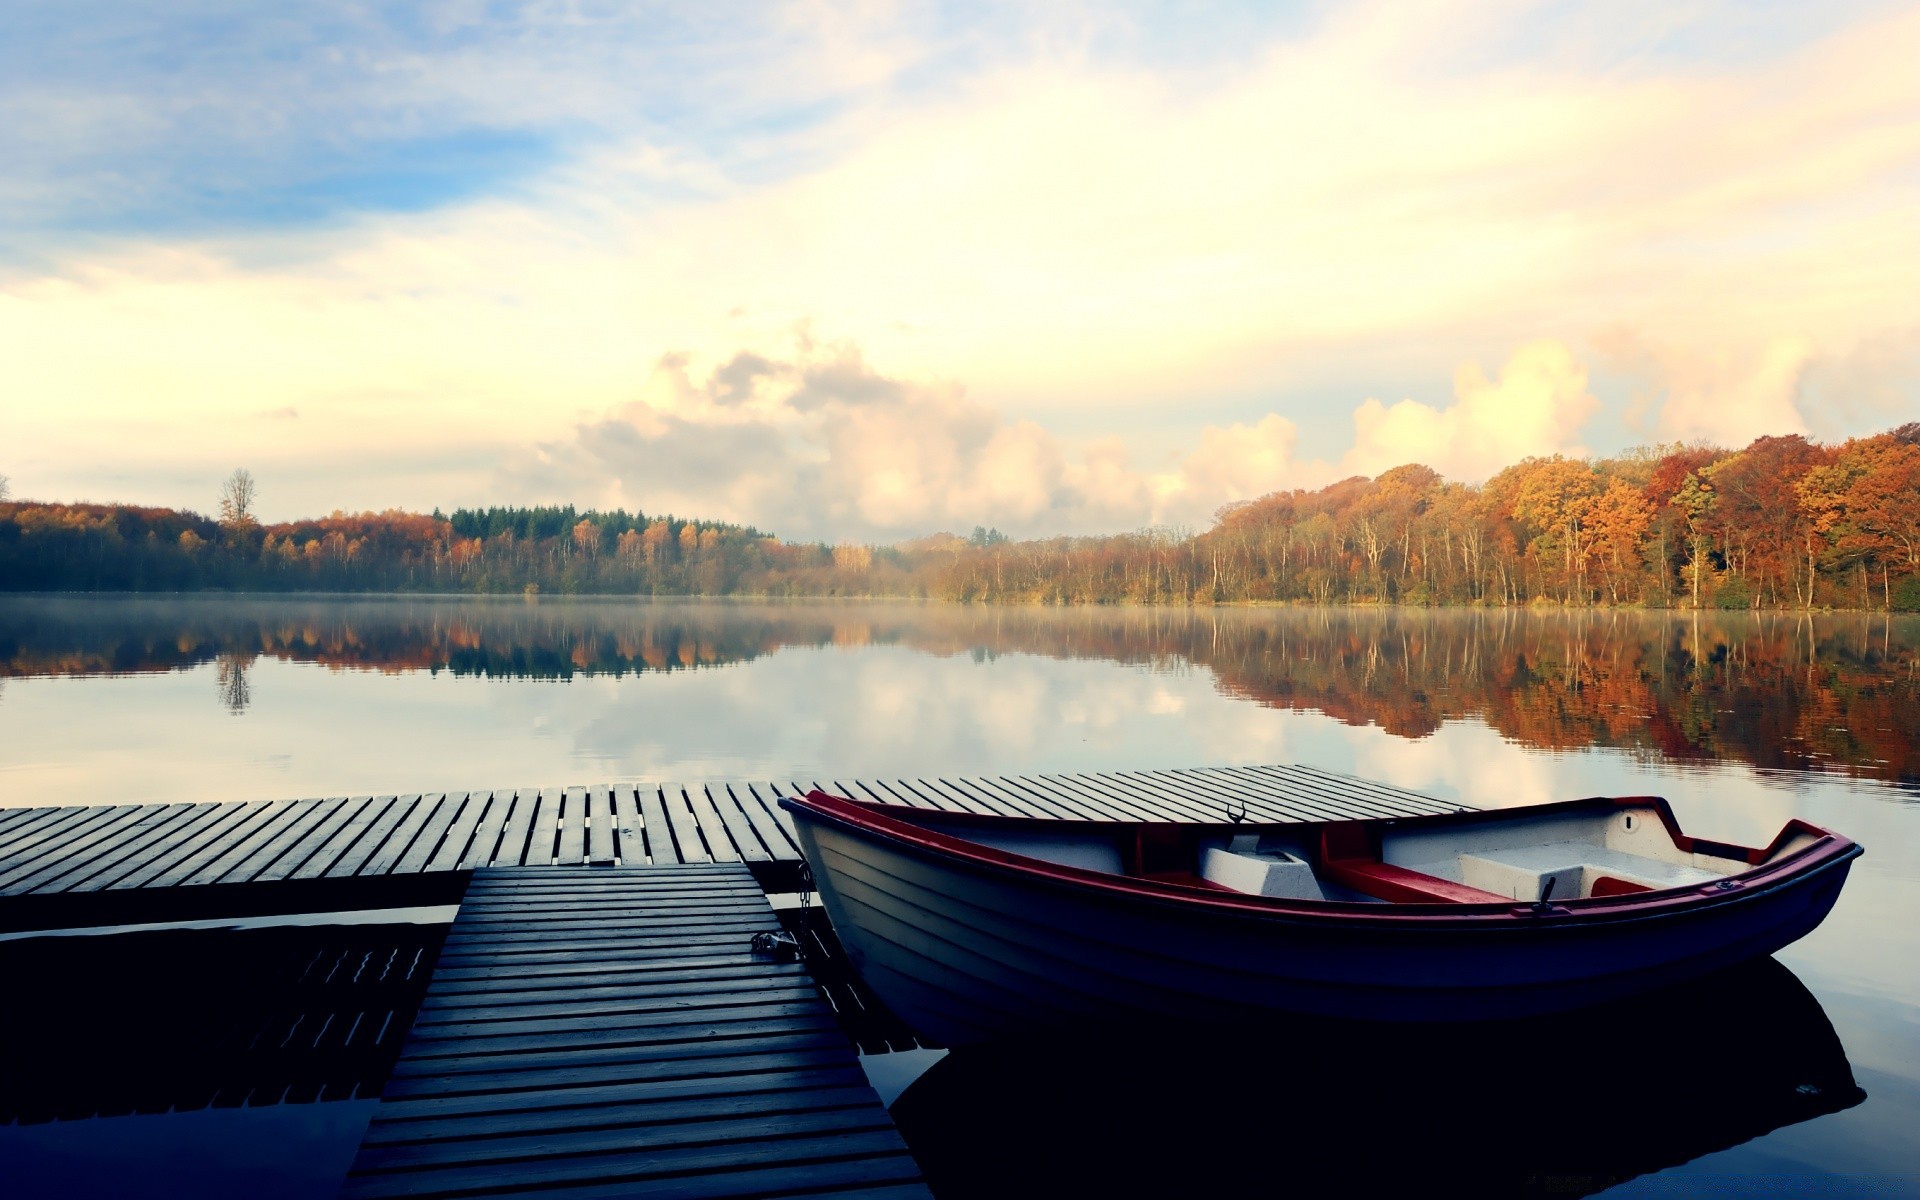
(1742,721)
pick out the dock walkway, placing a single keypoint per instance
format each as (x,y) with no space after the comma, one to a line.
(100,863)
(603,1032)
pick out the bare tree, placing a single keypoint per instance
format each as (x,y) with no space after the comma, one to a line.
(236,499)
(6,492)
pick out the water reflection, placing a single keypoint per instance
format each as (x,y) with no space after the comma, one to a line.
(205,1063)
(230,676)
(1565,1106)
(1779,692)
(181,1019)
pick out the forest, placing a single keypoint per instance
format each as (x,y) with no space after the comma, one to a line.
(1785,523)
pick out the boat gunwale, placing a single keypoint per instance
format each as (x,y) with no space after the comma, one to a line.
(1768,878)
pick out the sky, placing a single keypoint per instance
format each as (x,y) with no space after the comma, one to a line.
(868,271)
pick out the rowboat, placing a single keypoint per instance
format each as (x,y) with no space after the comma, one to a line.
(975,928)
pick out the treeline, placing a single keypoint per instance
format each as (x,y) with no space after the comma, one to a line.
(116,547)
(1786,523)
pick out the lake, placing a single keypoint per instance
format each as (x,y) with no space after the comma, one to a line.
(1742,720)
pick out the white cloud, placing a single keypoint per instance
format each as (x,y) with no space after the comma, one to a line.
(1728,397)
(813,442)
(1081,239)
(1535,407)
(1237,462)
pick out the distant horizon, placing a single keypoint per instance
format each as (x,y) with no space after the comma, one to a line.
(445,510)
(1781,523)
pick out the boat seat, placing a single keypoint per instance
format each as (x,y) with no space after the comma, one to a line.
(1384,881)
(1577,869)
(1348,858)
(1274,873)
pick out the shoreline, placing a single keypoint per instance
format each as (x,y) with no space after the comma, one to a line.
(537,598)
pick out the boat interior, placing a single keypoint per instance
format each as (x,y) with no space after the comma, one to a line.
(1559,852)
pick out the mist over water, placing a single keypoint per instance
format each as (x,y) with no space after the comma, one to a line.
(1742,720)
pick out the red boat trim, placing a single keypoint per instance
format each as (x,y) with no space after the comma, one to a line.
(1607,885)
(1350,857)
(874,820)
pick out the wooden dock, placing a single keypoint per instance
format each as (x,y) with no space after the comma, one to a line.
(96,864)
(594,1033)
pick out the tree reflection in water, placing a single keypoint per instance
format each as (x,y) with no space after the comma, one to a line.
(230,676)
(1565,1106)
(1779,692)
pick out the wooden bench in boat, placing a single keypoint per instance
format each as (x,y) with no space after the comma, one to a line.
(1349,858)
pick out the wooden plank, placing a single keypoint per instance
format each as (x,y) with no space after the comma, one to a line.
(1348,791)
(12,817)
(600,848)
(694,980)
(787,1052)
(440,1117)
(513,843)
(572,851)
(1105,806)
(1013,803)
(686,831)
(740,831)
(294,817)
(88,848)
(257,826)
(52,823)
(638,1068)
(87,856)
(375,835)
(543,839)
(344,839)
(314,840)
(140,851)
(427,843)
(695,1099)
(1345,782)
(1117,789)
(1069,807)
(915,794)
(484,842)
(1260,803)
(662,846)
(459,836)
(1275,801)
(687,995)
(389,853)
(629,831)
(33,851)
(288,833)
(190,843)
(713,830)
(775,827)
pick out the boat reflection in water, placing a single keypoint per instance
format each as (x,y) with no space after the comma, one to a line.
(1563,1106)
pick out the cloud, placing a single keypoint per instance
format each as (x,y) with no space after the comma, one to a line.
(1728,398)
(824,446)
(1096,241)
(816,443)
(1536,407)
(1235,462)
(1875,383)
